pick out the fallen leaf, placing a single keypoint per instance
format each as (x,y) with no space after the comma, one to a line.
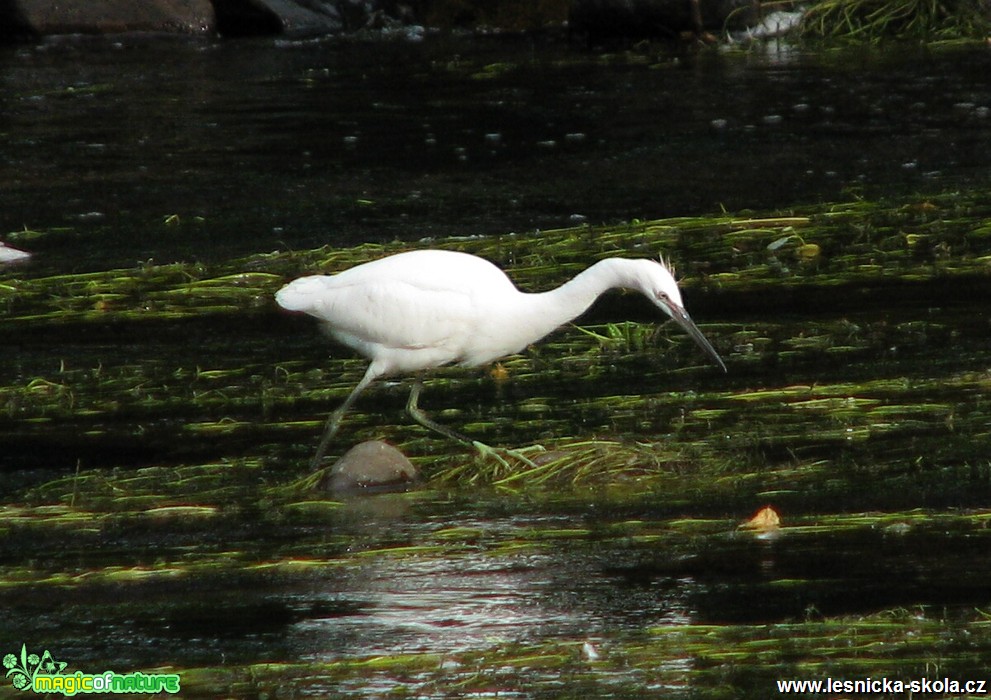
(764,520)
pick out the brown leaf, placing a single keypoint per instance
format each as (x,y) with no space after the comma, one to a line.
(764,520)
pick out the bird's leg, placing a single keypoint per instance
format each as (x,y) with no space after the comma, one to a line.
(417,414)
(329,430)
(334,419)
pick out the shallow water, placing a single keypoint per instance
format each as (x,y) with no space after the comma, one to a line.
(257,146)
(145,152)
(441,582)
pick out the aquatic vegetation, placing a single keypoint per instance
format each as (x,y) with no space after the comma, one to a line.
(159,426)
(687,653)
(759,269)
(873,20)
(702,661)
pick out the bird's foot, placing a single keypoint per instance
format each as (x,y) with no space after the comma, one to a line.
(495,453)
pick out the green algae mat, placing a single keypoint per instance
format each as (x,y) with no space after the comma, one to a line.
(156,424)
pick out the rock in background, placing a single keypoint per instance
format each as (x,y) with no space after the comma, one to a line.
(297,18)
(262,17)
(657,18)
(226,17)
(44,17)
(510,15)
(302,18)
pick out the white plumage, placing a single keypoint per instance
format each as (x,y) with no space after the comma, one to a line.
(428,308)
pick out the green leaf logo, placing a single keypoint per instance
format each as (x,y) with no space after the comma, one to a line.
(23,670)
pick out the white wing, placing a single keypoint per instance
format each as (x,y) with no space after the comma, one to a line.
(408,311)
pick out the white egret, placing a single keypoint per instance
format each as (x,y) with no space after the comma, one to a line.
(423,309)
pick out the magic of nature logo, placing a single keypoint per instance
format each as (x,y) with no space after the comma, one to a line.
(45,674)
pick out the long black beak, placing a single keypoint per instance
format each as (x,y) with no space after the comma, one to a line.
(682,318)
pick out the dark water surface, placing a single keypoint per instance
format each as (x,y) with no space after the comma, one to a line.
(276,145)
(148,152)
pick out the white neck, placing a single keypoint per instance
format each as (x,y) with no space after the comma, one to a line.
(547,311)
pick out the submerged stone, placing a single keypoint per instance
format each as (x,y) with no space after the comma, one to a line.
(370,465)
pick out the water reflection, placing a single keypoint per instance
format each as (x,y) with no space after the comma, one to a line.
(440,581)
(491,585)
(437,606)
(513,585)
(254,146)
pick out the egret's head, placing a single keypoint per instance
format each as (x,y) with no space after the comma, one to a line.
(658,284)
